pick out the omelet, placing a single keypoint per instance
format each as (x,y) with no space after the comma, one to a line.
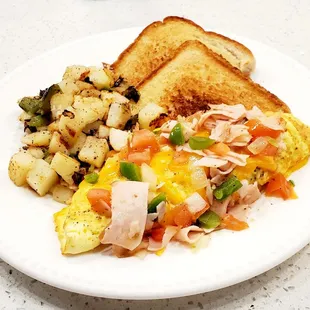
(77,225)
(293,155)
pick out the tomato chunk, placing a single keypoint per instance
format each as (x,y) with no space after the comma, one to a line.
(144,139)
(158,233)
(140,157)
(100,200)
(278,186)
(231,223)
(181,216)
(220,149)
(257,129)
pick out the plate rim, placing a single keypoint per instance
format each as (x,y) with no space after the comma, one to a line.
(180,292)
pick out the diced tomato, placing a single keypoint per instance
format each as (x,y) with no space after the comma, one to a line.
(278,186)
(257,129)
(123,154)
(163,141)
(158,233)
(144,139)
(220,148)
(270,150)
(181,216)
(100,200)
(231,223)
(102,208)
(96,194)
(140,157)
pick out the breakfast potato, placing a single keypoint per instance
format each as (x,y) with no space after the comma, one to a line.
(100,78)
(74,73)
(57,144)
(93,127)
(68,87)
(40,138)
(65,166)
(119,114)
(103,132)
(19,166)
(62,194)
(149,113)
(36,152)
(41,177)
(94,151)
(118,138)
(54,126)
(59,103)
(80,141)
(70,127)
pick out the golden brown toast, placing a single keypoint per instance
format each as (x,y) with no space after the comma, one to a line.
(196,77)
(158,42)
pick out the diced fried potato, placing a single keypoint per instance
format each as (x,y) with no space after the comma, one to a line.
(65,166)
(74,72)
(103,132)
(62,194)
(90,109)
(24,116)
(54,126)
(149,113)
(92,127)
(100,79)
(70,128)
(36,152)
(40,138)
(94,151)
(68,87)
(119,114)
(60,102)
(90,93)
(49,158)
(41,177)
(113,97)
(20,165)
(80,141)
(83,85)
(57,144)
(118,138)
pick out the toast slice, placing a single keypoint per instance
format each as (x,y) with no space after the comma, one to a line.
(196,77)
(158,42)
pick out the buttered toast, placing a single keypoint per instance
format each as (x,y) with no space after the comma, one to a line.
(196,77)
(158,42)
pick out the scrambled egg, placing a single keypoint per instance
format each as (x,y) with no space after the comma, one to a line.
(77,225)
(290,158)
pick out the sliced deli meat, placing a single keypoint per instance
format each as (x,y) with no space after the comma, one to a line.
(129,214)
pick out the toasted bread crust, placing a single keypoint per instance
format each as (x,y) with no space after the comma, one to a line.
(193,91)
(140,58)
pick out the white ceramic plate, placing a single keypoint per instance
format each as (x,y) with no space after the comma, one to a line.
(27,239)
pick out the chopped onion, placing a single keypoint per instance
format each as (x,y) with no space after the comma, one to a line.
(199,178)
(258,145)
(148,176)
(195,203)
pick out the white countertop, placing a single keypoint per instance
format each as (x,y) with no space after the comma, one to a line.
(28,28)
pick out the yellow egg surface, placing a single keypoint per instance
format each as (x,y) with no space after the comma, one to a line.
(77,225)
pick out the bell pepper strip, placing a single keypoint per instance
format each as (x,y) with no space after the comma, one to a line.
(155,202)
(227,188)
(176,135)
(257,129)
(130,171)
(200,143)
(231,223)
(278,186)
(209,220)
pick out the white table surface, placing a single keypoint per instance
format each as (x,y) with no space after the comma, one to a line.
(29,28)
